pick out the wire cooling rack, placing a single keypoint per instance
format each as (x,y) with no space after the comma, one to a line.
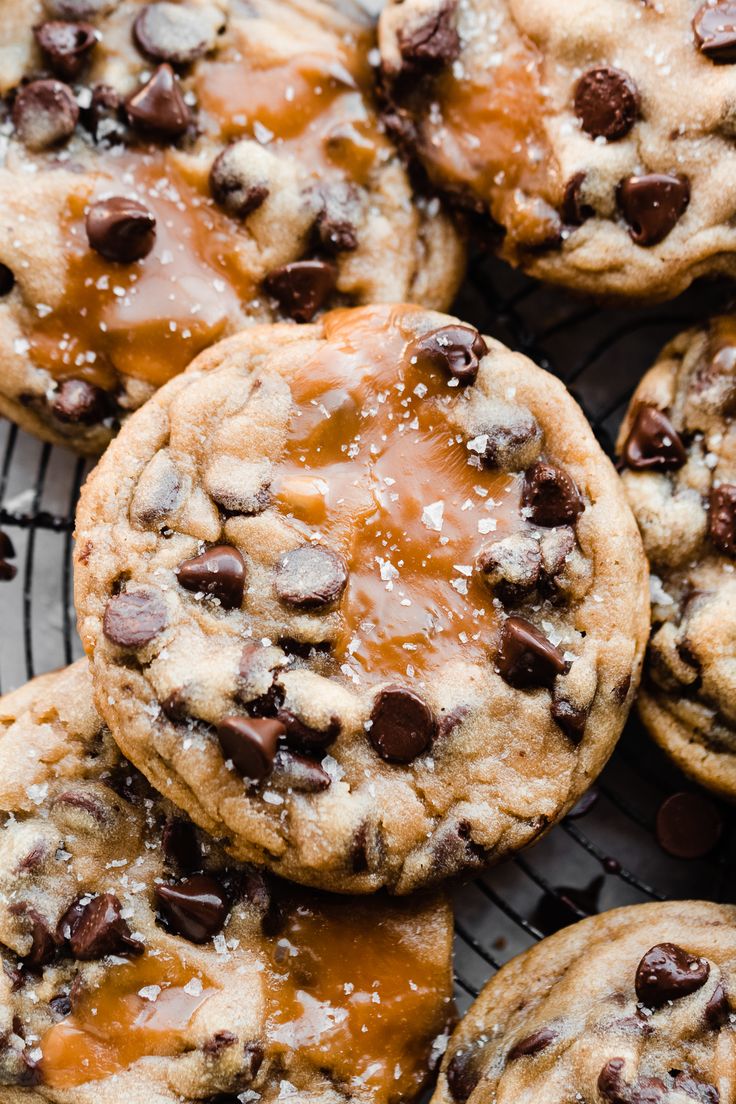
(609,856)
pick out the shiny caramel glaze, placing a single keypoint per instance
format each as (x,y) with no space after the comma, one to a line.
(373,449)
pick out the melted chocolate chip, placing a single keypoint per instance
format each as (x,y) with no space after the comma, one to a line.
(715,30)
(45,114)
(463,1074)
(574,211)
(302,735)
(718,1009)
(181,845)
(158,108)
(550,496)
(194,908)
(97,928)
(652,205)
(236,193)
(653,442)
(220,571)
(103,118)
(722,519)
(250,742)
(7,280)
(606,102)
(79,402)
(335,233)
(432,43)
(44,940)
(310,577)
(694,1087)
(525,658)
(133,620)
(121,229)
(66,47)
(667,972)
(172,32)
(532,1044)
(298,773)
(571,719)
(456,350)
(302,288)
(614,1089)
(402,725)
(688,825)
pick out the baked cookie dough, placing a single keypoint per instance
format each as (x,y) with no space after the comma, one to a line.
(170,171)
(597,148)
(678,453)
(138,963)
(634,1006)
(363,597)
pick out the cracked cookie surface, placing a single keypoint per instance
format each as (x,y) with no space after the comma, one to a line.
(597,150)
(678,451)
(171,171)
(364,597)
(634,1006)
(139,963)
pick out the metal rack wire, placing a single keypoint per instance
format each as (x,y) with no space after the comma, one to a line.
(609,856)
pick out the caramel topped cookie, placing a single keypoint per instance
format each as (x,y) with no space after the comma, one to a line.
(139,963)
(170,171)
(678,451)
(363,597)
(597,148)
(634,1006)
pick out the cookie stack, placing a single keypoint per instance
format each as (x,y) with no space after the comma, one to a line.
(363,602)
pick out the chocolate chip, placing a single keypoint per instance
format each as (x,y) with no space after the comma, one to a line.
(432,43)
(79,402)
(220,571)
(217,1043)
(66,47)
(694,1087)
(302,288)
(7,551)
(525,658)
(158,108)
(402,725)
(237,194)
(688,825)
(574,211)
(550,496)
(533,1044)
(181,845)
(7,280)
(652,205)
(614,1089)
(45,114)
(302,735)
(195,908)
(61,1005)
(121,229)
(250,742)
(718,1008)
(463,1074)
(172,32)
(133,620)
(7,572)
(715,30)
(606,102)
(653,442)
(296,772)
(722,518)
(44,940)
(561,906)
(310,577)
(103,118)
(335,229)
(456,350)
(667,972)
(571,718)
(97,928)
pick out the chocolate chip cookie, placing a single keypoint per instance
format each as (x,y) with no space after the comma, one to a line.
(597,149)
(170,171)
(363,597)
(139,963)
(635,1006)
(678,451)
